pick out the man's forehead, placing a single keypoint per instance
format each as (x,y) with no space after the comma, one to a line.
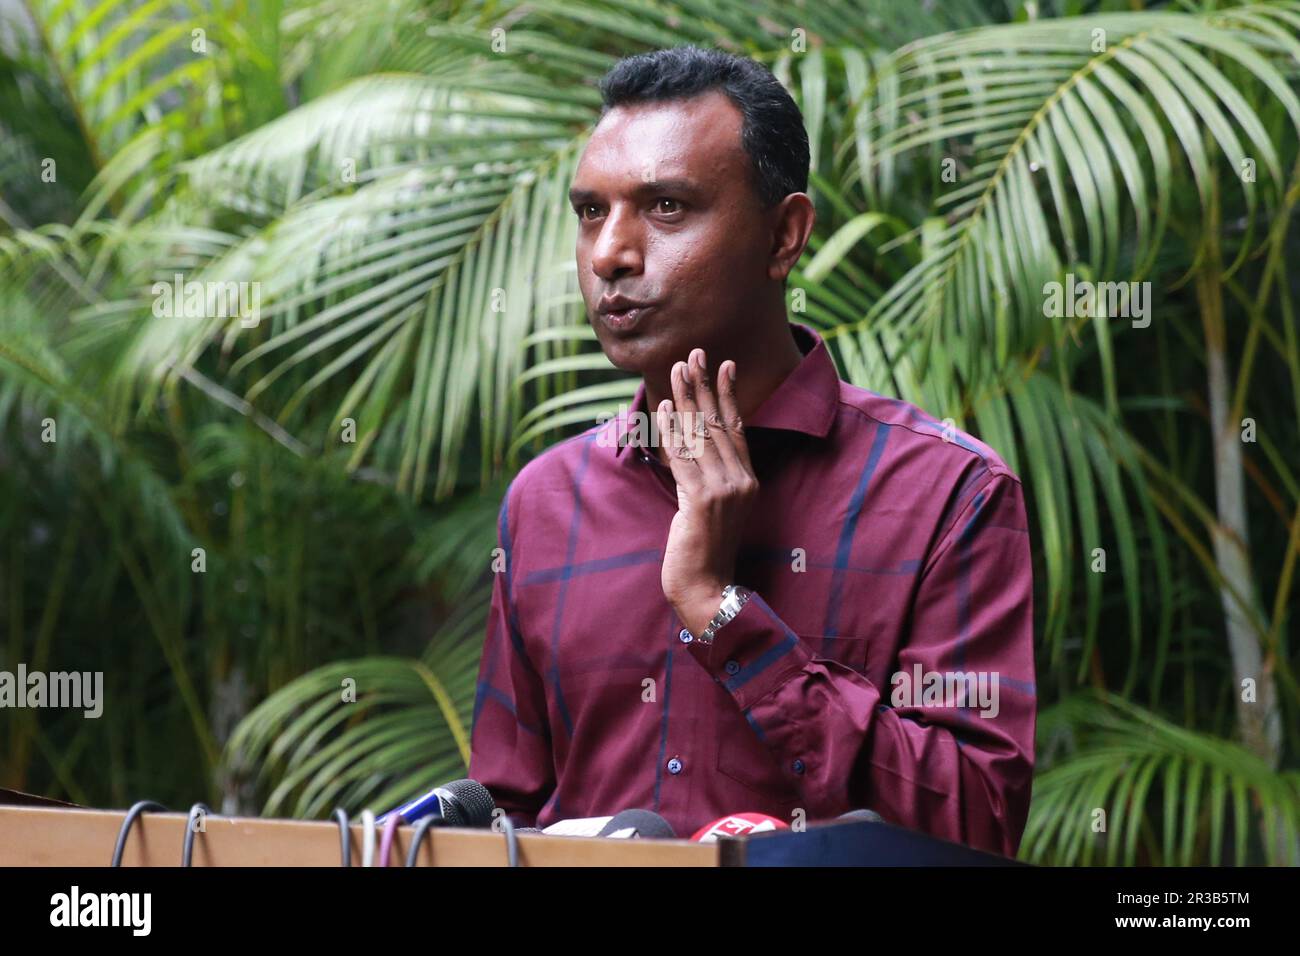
(667,139)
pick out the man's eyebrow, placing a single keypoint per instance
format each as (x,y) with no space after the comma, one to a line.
(682,186)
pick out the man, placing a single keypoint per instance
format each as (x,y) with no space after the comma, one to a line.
(881,561)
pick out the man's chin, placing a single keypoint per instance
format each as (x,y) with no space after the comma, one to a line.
(634,354)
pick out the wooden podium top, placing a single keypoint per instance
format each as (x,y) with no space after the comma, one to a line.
(57,836)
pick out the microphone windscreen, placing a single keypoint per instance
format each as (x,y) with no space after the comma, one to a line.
(471,804)
(644,824)
(738,824)
(861,816)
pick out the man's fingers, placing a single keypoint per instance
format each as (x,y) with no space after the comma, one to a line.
(687,422)
(731,413)
(711,417)
(680,457)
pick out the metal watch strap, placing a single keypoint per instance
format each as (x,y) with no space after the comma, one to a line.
(734,597)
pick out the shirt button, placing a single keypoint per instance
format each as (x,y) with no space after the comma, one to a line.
(674,766)
(685,636)
(733,667)
(798,766)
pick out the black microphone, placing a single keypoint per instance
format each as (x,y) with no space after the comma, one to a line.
(467,803)
(853,816)
(637,824)
(461,803)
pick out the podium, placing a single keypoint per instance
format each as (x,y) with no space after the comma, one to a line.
(44,835)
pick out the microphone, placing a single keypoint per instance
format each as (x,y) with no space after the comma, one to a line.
(637,824)
(860,816)
(461,803)
(627,824)
(738,824)
(582,826)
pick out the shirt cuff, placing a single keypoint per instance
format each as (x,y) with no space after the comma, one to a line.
(753,653)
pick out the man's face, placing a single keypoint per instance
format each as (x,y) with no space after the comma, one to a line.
(668,217)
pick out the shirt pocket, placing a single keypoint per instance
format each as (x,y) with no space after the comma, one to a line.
(744,753)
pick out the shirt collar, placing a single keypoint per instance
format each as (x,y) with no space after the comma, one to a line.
(805,401)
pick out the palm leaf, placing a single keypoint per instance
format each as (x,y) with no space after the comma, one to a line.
(1149,778)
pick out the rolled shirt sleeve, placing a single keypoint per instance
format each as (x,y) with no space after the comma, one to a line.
(916,757)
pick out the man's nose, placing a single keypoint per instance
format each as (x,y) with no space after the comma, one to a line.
(617,251)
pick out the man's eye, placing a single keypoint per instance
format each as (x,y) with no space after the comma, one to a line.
(672,204)
(583,209)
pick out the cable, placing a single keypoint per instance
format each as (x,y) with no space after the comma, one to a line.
(386,844)
(417,838)
(512,841)
(187,851)
(142,807)
(345,836)
(367,837)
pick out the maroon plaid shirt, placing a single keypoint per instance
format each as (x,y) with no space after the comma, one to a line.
(890,562)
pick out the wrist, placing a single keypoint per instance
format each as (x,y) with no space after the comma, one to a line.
(696,610)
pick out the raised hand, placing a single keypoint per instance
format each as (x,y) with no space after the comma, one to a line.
(716,487)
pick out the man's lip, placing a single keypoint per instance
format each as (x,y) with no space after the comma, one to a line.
(623,320)
(620,305)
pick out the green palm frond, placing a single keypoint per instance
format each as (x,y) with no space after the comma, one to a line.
(404,280)
(1082,465)
(117,61)
(470,112)
(1057,135)
(761,27)
(1125,767)
(454,548)
(368,732)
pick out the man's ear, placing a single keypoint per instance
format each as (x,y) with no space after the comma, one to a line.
(792,224)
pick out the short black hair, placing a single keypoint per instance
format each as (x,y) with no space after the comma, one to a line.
(773,133)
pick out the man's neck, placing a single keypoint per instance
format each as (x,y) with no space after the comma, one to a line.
(763,362)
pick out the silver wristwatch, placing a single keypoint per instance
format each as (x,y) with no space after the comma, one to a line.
(734,597)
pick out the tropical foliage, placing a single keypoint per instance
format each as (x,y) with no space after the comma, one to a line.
(272,532)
